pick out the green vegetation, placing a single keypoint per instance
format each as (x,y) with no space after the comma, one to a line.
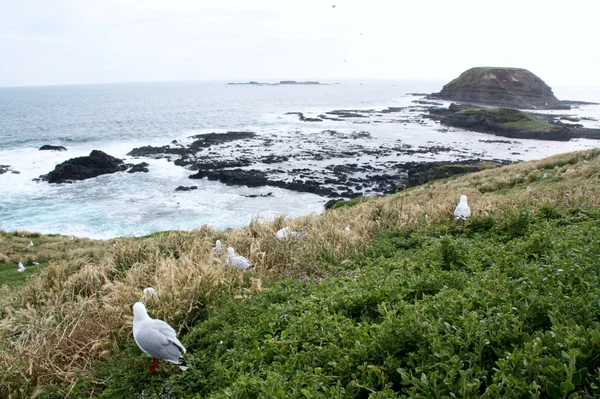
(510,118)
(349,203)
(473,76)
(427,312)
(10,277)
(410,304)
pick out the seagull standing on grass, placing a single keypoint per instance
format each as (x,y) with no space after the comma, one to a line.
(156,338)
(218,246)
(237,260)
(347,230)
(21,268)
(149,291)
(30,245)
(286,233)
(462,211)
(71,238)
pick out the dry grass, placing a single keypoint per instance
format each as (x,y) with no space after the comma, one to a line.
(79,308)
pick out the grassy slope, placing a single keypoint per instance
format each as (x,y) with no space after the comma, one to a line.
(500,306)
(429,308)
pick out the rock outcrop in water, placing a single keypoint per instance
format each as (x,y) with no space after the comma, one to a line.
(48,147)
(81,168)
(503,87)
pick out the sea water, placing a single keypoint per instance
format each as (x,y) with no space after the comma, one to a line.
(116,118)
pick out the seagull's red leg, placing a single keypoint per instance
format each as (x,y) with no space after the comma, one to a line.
(154,365)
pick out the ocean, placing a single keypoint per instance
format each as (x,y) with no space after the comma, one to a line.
(116,118)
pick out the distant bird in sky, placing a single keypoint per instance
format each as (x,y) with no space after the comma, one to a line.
(333,6)
(345,60)
(218,246)
(30,245)
(156,338)
(151,292)
(462,211)
(237,260)
(21,268)
(286,233)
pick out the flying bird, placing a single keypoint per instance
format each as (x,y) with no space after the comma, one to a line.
(30,245)
(286,233)
(333,6)
(237,260)
(462,211)
(156,338)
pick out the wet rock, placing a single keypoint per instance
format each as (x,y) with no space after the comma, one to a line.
(303,118)
(81,168)
(186,188)
(52,148)
(140,167)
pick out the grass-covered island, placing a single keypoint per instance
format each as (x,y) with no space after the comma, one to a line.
(409,304)
(506,122)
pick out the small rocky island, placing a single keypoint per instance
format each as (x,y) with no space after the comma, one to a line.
(501,87)
(96,164)
(511,90)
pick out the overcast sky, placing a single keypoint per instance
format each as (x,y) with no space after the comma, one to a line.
(97,41)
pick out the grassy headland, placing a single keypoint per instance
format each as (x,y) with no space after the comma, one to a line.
(410,304)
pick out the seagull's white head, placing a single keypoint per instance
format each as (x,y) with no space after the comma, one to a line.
(463,199)
(230,252)
(139,312)
(218,244)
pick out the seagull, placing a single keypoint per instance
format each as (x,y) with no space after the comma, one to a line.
(156,338)
(21,268)
(286,233)
(218,246)
(30,245)
(36,263)
(71,238)
(333,6)
(149,291)
(462,210)
(347,230)
(237,260)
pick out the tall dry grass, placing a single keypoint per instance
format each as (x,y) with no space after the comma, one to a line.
(79,309)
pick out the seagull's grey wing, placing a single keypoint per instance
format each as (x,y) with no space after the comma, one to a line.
(158,345)
(242,263)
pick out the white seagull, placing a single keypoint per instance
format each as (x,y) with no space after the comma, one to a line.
(21,268)
(30,245)
(218,246)
(36,263)
(347,230)
(286,233)
(156,338)
(71,238)
(149,291)
(462,211)
(237,260)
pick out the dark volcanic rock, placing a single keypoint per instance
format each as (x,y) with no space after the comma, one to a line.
(184,188)
(52,148)
(332,202)
(81,168)
(503,87)
(303,118)
(140,167)
(4,169)
(506,122)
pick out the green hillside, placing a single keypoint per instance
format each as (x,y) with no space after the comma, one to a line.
(410,304)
